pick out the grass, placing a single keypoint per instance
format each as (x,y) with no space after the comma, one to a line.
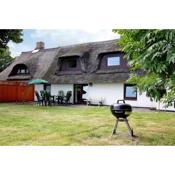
(34,125)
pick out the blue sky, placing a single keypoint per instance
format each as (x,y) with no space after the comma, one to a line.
(60,37)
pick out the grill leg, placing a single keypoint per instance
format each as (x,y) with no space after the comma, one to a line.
(129,128)
(115,127)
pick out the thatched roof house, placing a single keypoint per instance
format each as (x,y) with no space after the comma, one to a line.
(47,64)
(94,71)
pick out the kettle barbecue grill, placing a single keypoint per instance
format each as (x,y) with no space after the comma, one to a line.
(121,111)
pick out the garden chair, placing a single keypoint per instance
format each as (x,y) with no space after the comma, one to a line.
(39,98)
(67,97)
(60,97)
(42,94)
(48,99)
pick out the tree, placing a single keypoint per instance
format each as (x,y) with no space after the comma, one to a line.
(5,60)
(5,37)
(151,56)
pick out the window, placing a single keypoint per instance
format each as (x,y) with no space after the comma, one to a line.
(27,71)
(22,71)
(69,64)
(130,92)
(19,69)
(72,63)
(113,61)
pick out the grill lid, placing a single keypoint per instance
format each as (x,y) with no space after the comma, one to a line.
(121,110)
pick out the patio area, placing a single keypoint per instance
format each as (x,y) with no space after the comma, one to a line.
(29,124)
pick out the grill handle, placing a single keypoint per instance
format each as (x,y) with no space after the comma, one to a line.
(118,101)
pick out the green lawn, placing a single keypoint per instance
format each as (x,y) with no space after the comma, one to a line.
(34,125)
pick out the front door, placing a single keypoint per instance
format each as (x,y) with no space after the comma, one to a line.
(80,93)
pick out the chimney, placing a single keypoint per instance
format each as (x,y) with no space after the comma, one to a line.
(39,45)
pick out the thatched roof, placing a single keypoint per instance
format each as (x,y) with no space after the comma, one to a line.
(45,64)
(37,63)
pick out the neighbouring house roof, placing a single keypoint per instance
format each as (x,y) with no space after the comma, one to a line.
(45,64)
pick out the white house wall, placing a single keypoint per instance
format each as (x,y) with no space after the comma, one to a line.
(65,87)
(109,92)
(142,101)
(114,91)
(162,106)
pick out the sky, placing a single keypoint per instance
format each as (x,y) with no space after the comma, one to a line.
(61,37)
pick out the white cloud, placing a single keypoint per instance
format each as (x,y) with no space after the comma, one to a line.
(65,37)
(61,37)
(16,49)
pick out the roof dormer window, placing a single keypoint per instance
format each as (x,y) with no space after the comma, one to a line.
(19,69)
(111,61)
(70,63)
